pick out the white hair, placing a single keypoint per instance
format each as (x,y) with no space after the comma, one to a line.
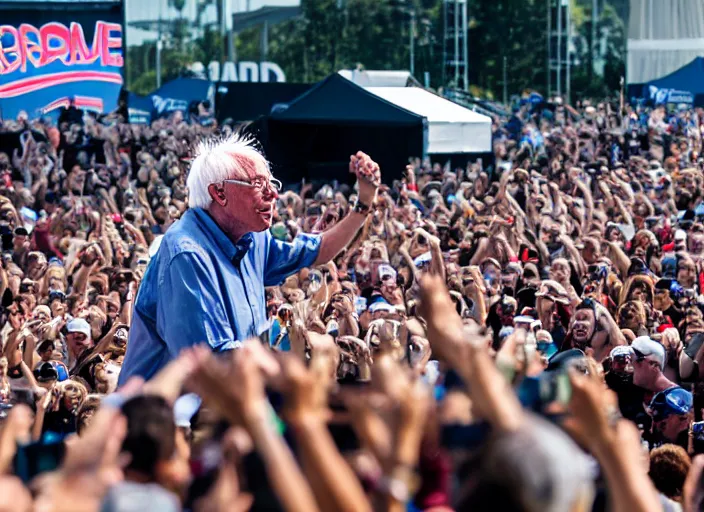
(219,159)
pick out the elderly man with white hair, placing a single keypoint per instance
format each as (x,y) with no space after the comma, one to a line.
(206,282)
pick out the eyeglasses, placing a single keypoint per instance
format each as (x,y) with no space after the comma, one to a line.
(258,183)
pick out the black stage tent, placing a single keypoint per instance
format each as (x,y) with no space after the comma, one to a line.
(315,135)
(247,101)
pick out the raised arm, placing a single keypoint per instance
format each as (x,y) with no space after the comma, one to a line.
(341,234)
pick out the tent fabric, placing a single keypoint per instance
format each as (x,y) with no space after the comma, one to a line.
(452,127)
(246,101)
(688,78)
(337,100)
(314,137)
(177,95)
(379,78)
(663,35)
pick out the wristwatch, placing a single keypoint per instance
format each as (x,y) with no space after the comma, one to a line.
(362,208)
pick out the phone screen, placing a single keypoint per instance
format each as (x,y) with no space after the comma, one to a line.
(36,458)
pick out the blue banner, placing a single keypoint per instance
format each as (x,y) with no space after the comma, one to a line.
(178,95)
(52,57)
(661,96)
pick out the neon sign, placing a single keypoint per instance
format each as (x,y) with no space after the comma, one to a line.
(55,41)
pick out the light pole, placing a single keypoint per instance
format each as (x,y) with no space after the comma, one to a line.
(457,42)
(549,32)
(158,47)
(465,45)
(568,78)
(559,47)
(411,42)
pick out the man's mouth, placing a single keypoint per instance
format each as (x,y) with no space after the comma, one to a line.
(264,210)
(580,333)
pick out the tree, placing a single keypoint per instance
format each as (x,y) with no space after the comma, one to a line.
(610,49)
(340,34)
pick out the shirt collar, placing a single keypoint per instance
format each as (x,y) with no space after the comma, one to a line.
(233,252)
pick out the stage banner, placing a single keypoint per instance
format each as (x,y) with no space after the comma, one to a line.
(178,95)
(54,54)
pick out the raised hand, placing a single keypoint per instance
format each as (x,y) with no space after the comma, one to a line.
(234,388)
(368,176)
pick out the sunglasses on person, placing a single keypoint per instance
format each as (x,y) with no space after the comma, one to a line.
(640,357)
(258,184)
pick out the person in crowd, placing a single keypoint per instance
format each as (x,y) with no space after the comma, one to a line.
(669,465)
(514,333)
(224,238)
(672,414)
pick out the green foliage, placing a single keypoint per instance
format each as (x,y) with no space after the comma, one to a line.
(611,31)
(336,34)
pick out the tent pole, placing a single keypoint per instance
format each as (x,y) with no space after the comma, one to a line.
(457,43)
(465,45)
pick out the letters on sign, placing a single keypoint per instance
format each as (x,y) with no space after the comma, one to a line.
(27,44)
(244,71)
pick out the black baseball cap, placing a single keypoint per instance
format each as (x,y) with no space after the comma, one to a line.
(46,372)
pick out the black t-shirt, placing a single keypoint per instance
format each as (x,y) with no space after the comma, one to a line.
(61,422)
(675,315)
(630,397)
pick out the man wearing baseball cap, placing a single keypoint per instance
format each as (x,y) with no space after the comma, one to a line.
(648,365)
(81,358)
(672,412)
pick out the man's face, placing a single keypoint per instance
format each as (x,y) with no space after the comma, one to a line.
(583,326)
(57,308)
(638,293)
(560,271)
(662,300)
(20,242)
(252,206)
(78,342)
(673,425)
(686,273)
(72,396)
(696,243)
(630,316)
(622,364)
(645,371)
(590,253)
(46,354)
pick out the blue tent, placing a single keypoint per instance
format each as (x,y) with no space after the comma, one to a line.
(686,85)
(178,94)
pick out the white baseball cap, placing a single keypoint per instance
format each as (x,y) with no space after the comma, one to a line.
(79,325)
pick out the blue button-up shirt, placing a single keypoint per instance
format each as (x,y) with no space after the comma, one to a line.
(200,287)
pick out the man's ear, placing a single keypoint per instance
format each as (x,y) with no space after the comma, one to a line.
(217,193)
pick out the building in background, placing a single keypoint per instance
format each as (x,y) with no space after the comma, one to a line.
(162,24)
(663,36)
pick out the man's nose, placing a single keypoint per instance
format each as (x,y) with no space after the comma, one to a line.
(271,192)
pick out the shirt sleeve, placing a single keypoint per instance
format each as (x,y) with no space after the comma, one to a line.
(190,308)
(284,259)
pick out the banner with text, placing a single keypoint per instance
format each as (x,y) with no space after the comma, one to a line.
(54,56)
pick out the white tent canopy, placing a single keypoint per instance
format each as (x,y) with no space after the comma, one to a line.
(452,128)
(365,78)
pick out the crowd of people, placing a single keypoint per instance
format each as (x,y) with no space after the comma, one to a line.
(525,335)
